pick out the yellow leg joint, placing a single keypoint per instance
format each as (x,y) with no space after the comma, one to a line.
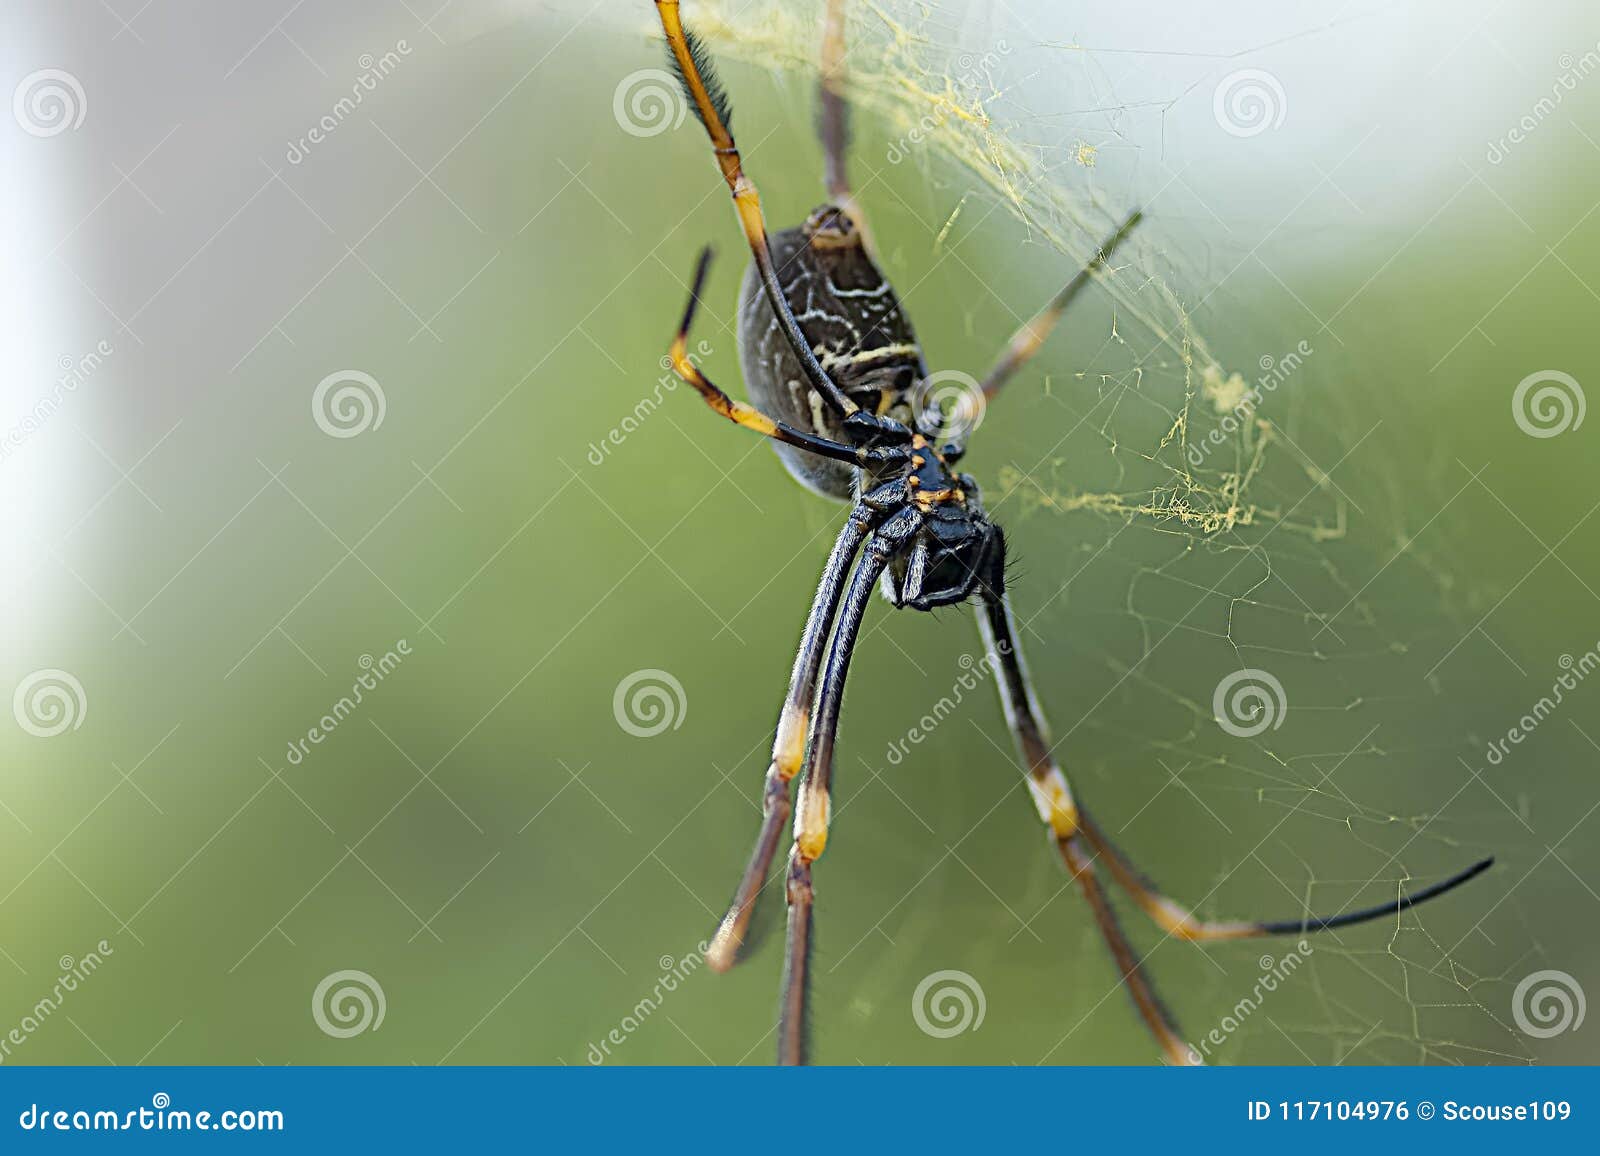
(789,750)
(1053,799)
(811,823)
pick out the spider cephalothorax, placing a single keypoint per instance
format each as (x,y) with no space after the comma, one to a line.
(832,363)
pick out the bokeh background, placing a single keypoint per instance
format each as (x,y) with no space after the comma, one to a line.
(496,239)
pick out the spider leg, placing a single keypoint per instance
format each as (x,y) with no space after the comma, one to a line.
(1055,804)
(811,812)
(1027,340)
(749,416)
(833,113)
(1075,834)
(1181,923)
(788,750)
(705,93)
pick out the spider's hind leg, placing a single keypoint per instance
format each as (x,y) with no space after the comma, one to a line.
(1053,799)
(1081,842)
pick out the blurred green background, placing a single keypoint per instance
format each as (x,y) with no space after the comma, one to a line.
(484,238)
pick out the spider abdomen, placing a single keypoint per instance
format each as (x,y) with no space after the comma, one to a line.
(850,315)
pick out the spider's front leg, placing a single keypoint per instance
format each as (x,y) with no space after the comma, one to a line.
(887,437)
(788,749)
(812,812)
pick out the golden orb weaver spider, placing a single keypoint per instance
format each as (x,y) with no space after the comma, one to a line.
(837,395)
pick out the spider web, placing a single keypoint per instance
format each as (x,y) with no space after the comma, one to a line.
(1191,528)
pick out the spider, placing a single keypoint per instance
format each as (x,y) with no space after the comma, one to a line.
(836,388)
